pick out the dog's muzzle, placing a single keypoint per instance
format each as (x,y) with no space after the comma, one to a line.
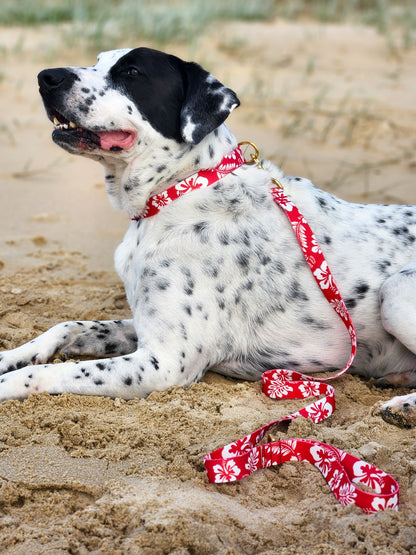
(54,85)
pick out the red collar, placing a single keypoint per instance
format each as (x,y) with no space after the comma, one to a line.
(199,180)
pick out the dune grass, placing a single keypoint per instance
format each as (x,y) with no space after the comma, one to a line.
(102,23)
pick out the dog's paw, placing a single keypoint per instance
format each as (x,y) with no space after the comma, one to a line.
(18,384)
(22,356)
(400,411)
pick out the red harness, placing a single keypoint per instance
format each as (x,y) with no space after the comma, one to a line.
(242,457)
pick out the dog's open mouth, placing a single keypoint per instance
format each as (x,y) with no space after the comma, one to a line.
(70,132)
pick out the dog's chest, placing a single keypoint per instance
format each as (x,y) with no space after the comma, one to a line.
(129,259)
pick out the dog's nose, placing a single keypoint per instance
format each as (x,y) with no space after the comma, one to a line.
(49,79)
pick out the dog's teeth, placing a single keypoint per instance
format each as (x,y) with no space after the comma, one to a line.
(65,126)
(56,121)
(72,124)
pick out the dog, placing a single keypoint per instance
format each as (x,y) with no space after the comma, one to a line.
(215,280)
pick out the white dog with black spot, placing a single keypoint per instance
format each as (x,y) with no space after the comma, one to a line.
(215,279)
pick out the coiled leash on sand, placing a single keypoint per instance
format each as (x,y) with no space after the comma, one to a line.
(242,457)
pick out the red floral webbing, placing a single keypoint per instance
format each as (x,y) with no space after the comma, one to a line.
(203,178)
(340,469)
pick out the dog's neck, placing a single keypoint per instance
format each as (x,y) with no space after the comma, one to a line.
(154,166)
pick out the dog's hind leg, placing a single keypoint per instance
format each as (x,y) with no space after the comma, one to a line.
(93,338)
(398,306)
(398,313)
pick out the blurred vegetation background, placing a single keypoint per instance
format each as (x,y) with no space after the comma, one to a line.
(100,24)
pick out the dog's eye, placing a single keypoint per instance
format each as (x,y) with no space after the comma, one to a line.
(133,72)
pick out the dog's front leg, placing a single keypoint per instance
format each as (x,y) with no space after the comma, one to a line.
(130,376)
(113,337)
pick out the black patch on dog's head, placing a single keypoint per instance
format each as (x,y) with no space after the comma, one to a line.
(179,99)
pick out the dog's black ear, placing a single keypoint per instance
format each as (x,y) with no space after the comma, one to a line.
(208,103)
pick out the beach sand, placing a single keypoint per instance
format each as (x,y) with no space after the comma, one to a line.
(334,103)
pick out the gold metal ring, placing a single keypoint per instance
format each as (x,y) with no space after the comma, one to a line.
(253,157)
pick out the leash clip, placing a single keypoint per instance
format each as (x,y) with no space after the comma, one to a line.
(254,159)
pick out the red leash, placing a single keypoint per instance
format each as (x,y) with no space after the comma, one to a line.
(242,457)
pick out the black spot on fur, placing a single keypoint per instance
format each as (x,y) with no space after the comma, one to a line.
(245,238)
(351,303)
(361,289)
(314,324)
(264,260)
(162,284)
(200,227)
(224,238)
(221,304)
(243,260)
(383,266)
(188,309)
(278,266)
(110,348)
(211,270)
(154,362)
(248,285)
(189,287)
(184,333)
(400,230)
(90,100)
(322,202)
(295,292)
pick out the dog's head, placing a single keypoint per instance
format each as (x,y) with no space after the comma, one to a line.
(106,109)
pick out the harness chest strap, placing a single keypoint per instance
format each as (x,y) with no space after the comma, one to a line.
(242,457)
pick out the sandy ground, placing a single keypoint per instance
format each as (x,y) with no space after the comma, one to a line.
(95,475)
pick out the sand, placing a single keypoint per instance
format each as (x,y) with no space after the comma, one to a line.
(95,475)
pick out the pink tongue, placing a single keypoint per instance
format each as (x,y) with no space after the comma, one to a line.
(111,139)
